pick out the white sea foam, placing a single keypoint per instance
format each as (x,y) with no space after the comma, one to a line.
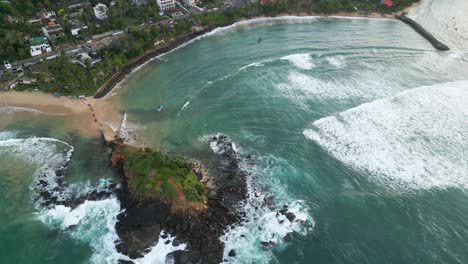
(446,20)
(128,131)
(39,150)
(185,105)
(92,222)
(420,9)
(414,140)
(49,155)
(302,88)
(262,222)
(7,135)
(301,60)
(337,61)
(158,253)
(269,21)
(254,64)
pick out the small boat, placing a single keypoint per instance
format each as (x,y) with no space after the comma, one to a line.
(160,108)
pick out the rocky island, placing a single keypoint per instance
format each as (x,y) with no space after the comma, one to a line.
(164,192)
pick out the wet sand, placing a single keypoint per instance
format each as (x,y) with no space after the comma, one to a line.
(89,116)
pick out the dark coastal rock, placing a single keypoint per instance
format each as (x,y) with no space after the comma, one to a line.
(267,244)
(139,226)
(290,216)
(200,229)
(179,256)
(288,237)
(232,253)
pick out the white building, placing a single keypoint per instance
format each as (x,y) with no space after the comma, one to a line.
(77,31)
(190,2)
(39,45)
(100,11)
(166,4)
(48,14)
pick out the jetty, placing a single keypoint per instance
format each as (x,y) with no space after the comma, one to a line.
(424,33)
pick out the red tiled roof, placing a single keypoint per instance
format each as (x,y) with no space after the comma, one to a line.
(388,2)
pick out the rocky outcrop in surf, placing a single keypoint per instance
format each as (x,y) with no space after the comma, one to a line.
(199,226)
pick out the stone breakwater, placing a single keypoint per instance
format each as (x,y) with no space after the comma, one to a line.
(424,33)
(199,227)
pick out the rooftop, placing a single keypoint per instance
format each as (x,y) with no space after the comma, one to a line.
(37,40)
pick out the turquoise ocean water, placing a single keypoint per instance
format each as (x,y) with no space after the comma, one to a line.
(357,125)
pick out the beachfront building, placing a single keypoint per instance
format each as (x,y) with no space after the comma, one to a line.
(100,11)
(39,45)
(166,4)
(15,69)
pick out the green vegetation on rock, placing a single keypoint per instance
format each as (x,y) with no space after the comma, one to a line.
(153,173)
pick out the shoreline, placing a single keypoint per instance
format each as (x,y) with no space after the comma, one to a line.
(128,69)
(88,116)
(94,114)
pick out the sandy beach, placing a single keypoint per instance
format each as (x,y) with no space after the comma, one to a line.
(89,116)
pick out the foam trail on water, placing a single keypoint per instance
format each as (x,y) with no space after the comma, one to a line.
(301,60)
(185,105)
(414,140)
(254,64)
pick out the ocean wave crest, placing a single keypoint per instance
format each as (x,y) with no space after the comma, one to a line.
(414,140)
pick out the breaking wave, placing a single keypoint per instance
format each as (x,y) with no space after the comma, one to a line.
(265,223)
(337,61)
(270,21)
(128,131)
(302,89)
(86,212)
(159,252)
(414,140)
(302,60)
